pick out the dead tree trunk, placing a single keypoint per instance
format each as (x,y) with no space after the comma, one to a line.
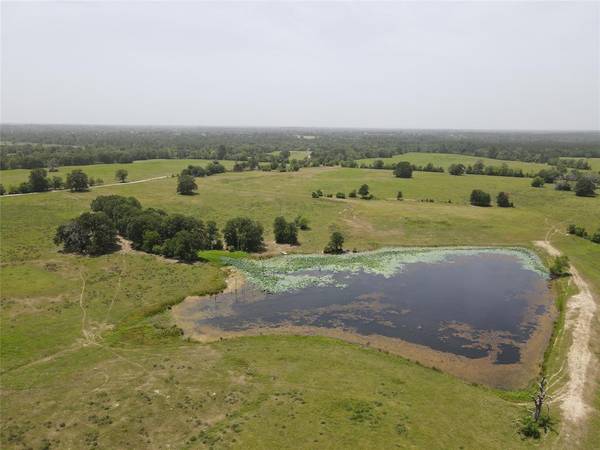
(539,399)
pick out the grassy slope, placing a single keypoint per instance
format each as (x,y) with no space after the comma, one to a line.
(137,170)
(268,391)
(445,159)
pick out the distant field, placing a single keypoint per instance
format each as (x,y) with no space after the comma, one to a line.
(89,341)
(445,159)
(295,154)
(138,170)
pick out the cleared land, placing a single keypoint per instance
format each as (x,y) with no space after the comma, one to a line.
(89,341)
(445,159)
(137,170)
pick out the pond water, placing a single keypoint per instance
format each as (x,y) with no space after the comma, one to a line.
(484,307)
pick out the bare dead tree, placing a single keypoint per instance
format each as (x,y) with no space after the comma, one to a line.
(539,399)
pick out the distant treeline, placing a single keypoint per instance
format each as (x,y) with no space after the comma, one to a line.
(36,146)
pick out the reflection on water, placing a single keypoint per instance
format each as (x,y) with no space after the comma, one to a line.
(471,306)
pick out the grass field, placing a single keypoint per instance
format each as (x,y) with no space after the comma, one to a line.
(446,159)
(90,358)
(137,170)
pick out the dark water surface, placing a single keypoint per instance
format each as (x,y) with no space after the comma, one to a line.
(466,305)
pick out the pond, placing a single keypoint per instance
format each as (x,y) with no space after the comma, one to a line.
(485,316)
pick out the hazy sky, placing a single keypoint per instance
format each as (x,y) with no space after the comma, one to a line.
(399,65)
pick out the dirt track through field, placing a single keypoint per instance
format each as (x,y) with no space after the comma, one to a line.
(581,309)
(91,187)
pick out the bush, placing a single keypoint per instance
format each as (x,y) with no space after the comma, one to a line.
(186,184)
(242,233)
(121,175)
(285,232)
(503,200)
(456,169)
(340,195)
(335,245)
(562,185)
(537,182)
(352,194)
(403,170)
(480,198)
(301,222)
(577,231)
(585,187)
(399,196)
(596,237)
(38,180)
(214,168)
(559,267)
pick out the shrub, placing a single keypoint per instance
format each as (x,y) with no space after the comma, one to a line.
(340,195)
(285,232)
(403,170)
(537,182)
(503,200)
(456,169)
(214,168)
(480,198)
(121,175)
(585,187)
(562,185)
(352,194)
(186,185)
(335,245)
(559,267)
(301,222)
(399,196)
(596,237)
(38,180)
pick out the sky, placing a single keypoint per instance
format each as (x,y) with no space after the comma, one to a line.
(471,65)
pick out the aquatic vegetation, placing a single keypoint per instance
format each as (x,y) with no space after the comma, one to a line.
(286,273)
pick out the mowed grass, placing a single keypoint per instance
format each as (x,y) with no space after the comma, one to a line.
(446,159)
(138,170)
(91,343)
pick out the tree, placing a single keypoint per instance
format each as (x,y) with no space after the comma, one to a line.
(38,180)
(77,181)
(90,233)
(52,165)
(456,169)
(562,185)
(184,246)
(585,187)
(559,267)
(403,170)
(214,167)
(285,232)
(478,167)
(340,195)
(537,182)
(121,175)
(596,237)
(213,236)
(363,191)
(243,233)
(151,242)
(186,185)
(503,200)
(57,183)
(335,245)
(480,198)
(378,164)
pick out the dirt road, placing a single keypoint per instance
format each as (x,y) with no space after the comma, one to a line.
(579,315)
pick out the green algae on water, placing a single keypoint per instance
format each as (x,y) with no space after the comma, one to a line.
(286,273)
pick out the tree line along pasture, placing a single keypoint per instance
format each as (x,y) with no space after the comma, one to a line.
(95,333)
